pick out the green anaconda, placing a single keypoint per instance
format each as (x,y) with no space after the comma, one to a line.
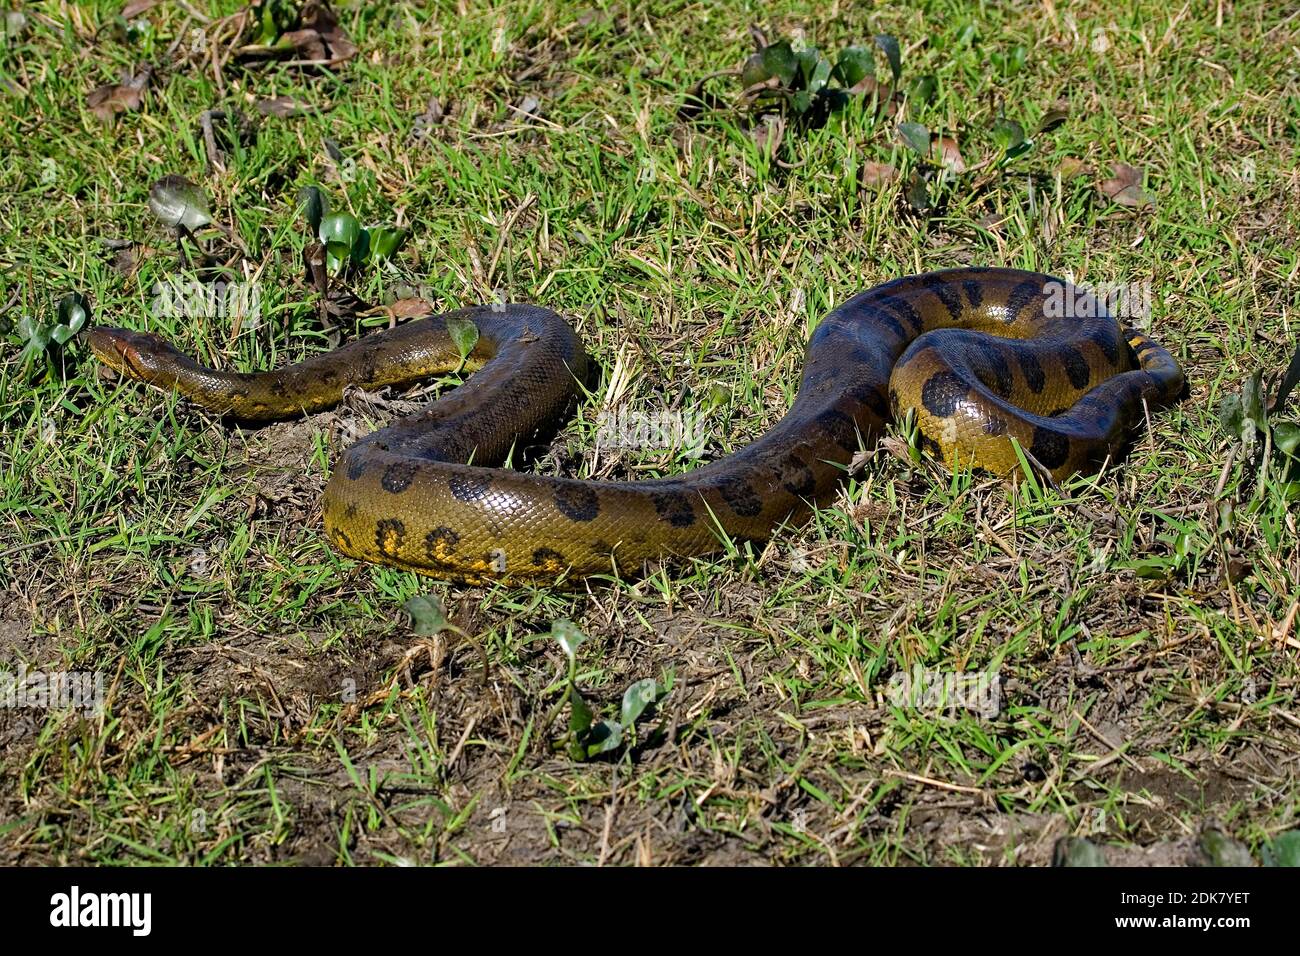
(982,355)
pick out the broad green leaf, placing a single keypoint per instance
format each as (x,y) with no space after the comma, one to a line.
(342,235)
(801,101)
(821,72)
(1153,569)
(1286,436)
(1283,850)
(464,333)
(73,311)
(754,72)
(1231,415)
(916,136)
(854,64)
(1011,62)
(923,89)
(636,699)
(1290,379)
(779,60)
(427,614)
(1052,119)
(892,53)
(1020,149)
(564,631)
(385,241)
(315,206)
(61,334)
(1007,134)
(1076,851)
(580,718)
(603,737)
(178,202)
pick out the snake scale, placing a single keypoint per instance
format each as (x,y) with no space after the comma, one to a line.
(982,355)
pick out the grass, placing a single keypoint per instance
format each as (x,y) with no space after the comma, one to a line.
(267,699)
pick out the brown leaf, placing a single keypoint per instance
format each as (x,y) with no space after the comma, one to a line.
(876,175)
(947,155)
(768,134)
(307,43)
(410,308)
(317,15)
(283,107)
(112,98)
(1126,187)
(133,8)
(1071,167)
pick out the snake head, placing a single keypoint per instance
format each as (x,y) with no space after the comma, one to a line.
(137,355)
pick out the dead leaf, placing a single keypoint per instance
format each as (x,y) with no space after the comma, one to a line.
(410,308)
(283,107)
(875,175)
(133,8)
(947,155)
(317,16)
(112,98)
(1071,167)
(1126,187)
(318,38)
(768,134)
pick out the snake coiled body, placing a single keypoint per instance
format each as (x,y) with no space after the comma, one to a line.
(982,355)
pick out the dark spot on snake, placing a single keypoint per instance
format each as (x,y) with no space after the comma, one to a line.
(930,446)
(674,507)
(841,429)
(1049,447)
(350,511)
(397,477)
(1106,338)
(601,547)
(872,396)
(577,502)
(1076,367)
(974,292)
(741,498)
(342,539)
(995,426)
(549,558)
(357,465)
(941,393)
(440,544)
(390,535)
(1023,294)
(1032,371)
(993,369)
(798,478)
(469,487)
(902,309)
(891,323)
(944,291)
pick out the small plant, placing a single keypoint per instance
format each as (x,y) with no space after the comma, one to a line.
(1269,442)
(777,75)
(42,339)
(587,736)
(346,241)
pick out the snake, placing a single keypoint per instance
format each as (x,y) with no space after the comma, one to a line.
(989,368)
